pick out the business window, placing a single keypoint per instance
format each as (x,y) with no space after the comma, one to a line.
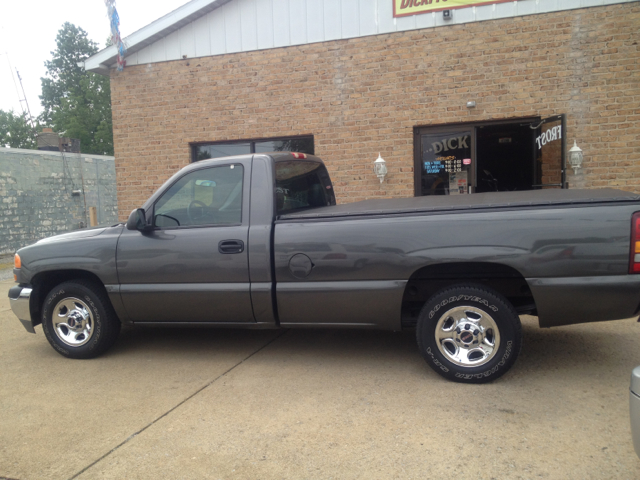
(303,144)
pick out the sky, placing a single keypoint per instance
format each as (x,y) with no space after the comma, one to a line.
(28,36)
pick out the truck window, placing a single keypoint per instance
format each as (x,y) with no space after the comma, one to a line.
(302,185)
(211,196)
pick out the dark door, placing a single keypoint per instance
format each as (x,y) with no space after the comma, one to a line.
(550,151)
(193,266)
(505,157)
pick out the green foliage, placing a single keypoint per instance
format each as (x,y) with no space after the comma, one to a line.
(77,104)
(15,131)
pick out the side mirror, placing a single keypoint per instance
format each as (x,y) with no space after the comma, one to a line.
(138,221)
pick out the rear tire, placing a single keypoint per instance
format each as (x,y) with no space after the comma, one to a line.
(469,333)
(78,320)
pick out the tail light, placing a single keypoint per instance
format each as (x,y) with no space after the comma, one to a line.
(634,259)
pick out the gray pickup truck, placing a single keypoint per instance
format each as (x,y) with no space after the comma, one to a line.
(258,241)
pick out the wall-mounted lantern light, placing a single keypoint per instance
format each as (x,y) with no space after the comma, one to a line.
(380,168)
(575,157)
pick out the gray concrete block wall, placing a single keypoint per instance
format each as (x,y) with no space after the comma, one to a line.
(36,194)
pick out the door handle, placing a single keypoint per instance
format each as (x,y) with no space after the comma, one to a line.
(231,246)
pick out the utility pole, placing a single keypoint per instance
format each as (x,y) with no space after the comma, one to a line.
(6,54)
(24,99)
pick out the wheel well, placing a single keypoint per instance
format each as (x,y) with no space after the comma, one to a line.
(425,282)
(43,283)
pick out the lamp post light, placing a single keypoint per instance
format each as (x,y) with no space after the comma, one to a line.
(380,167)
(575,157)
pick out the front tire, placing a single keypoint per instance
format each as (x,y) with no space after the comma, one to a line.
(78,320)
(469,333)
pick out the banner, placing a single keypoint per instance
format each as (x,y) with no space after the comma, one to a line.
(402,8)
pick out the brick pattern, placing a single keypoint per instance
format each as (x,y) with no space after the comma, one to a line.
(362,96)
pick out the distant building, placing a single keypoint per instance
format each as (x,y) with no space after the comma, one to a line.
(50,141)
(47,192)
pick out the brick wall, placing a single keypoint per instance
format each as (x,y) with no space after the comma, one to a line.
(363,96)
(37,200)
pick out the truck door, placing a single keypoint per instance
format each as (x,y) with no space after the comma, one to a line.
(193,266)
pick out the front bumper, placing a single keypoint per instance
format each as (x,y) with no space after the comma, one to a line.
(19,300)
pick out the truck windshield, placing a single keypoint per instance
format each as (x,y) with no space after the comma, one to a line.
(302,185)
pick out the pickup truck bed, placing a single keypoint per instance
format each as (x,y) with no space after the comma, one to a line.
(560,254)
(480,201)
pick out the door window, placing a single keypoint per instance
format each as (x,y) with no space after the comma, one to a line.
(445,163)
(550,147)
(210,196)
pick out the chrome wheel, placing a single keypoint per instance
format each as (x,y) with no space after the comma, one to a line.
(467,336)
(73,322)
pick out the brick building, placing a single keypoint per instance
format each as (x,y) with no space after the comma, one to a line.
(483,96)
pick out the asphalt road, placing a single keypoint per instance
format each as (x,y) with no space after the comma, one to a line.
(179,403)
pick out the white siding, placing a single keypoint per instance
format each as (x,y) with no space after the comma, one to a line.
(406,23)
(172,44)
(201,34)
(265,24)
(187,41)
(385,20)
(246,25)
(315,21)
(217,34)
(368,17)
(350,20)
(232,27)
(144,55)
(333,19)
(281,24)
(158,51)
(297,22)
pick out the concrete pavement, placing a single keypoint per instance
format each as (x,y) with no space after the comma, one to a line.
(179,403)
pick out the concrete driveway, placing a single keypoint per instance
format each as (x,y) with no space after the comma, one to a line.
(178,403)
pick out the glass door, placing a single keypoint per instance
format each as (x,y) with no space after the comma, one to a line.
(446,165)
(550,147)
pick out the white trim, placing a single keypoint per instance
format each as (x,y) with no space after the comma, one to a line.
(152,32)
(234,41)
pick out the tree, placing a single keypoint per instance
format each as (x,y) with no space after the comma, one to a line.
(77,104)
(15,131)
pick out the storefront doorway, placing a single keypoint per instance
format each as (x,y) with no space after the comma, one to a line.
(519,154)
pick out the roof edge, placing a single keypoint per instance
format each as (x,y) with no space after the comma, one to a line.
(103,61)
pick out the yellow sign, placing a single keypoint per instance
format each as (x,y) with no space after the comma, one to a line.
(402,8)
